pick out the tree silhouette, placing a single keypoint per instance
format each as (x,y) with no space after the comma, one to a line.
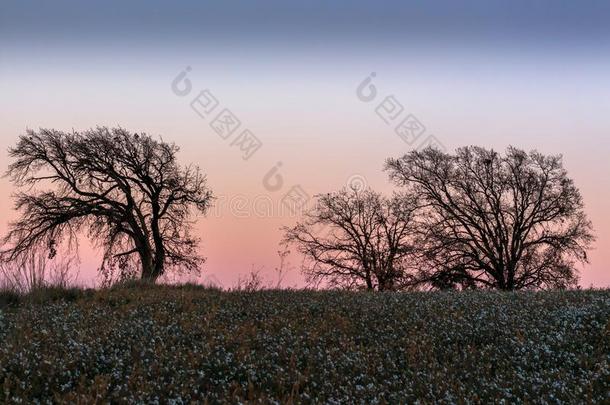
(127,192)
(507,222)
(356,239)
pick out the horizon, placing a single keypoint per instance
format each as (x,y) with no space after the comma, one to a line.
(534,77)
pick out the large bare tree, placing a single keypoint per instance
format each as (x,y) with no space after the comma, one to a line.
(356,239)
(125,190)
(508,222)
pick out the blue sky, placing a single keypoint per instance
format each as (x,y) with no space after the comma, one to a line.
(559,23)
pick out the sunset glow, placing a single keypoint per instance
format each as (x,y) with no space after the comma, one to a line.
(294,84)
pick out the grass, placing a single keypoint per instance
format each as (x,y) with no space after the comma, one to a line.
(9,297)
(145,343)
(41,295)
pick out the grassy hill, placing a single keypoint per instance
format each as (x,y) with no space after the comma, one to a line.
(183,344)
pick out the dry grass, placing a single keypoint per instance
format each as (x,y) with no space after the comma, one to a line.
(144,343)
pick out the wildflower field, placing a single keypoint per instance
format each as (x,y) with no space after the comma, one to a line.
(192,345)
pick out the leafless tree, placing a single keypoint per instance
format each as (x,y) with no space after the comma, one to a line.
(356,239)
(508,222)
(126,191)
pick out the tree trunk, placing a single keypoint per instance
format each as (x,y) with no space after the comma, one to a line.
(148,268)
(159,265)
(159,259)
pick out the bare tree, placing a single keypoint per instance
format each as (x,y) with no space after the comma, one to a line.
(508,222)
(365,242)
(127,191)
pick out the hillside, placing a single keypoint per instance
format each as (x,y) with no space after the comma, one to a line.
(183,344)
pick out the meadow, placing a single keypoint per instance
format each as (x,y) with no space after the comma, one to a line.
(187,344)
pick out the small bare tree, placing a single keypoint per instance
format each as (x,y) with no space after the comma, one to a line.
(127,191)
(365,243)
(508,222)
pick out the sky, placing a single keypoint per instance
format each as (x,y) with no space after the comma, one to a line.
(297,75)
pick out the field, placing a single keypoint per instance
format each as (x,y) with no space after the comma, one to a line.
(189,344)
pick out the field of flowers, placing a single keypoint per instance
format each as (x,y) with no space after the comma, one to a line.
(186,344)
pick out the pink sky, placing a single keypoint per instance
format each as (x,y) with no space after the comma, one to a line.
(303,107)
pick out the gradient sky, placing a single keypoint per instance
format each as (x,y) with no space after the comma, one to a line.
(493,73)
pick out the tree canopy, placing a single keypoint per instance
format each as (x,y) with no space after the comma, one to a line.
(356,239)
(507,221)
(125,190)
